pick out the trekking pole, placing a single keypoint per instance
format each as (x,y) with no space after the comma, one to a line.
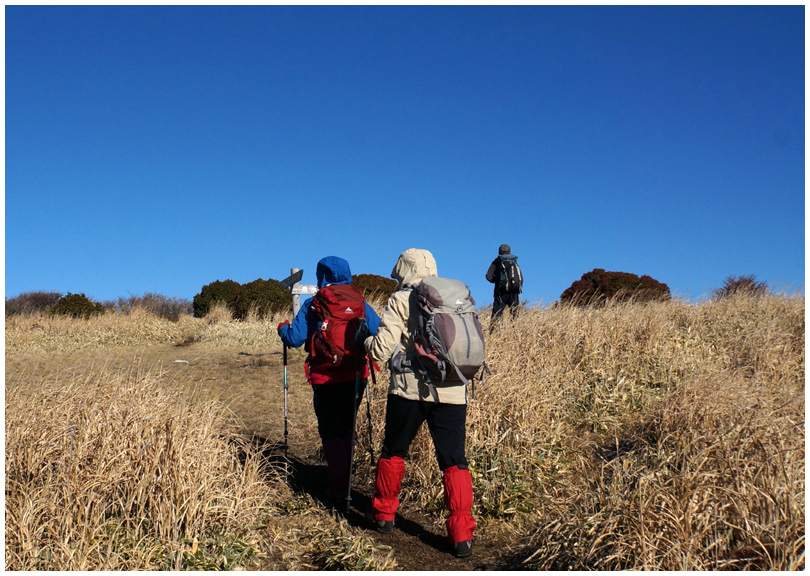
(354,436)
(286,460)
(368,409)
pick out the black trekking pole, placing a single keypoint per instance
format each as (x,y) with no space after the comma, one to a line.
(368,409)
(286,460)
(354,436)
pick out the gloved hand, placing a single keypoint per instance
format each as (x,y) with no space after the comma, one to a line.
(286,322)
(360,337)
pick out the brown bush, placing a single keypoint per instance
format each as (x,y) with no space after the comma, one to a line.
(157,304)
(741,285)
(373,286)
(30,302)
(599,286)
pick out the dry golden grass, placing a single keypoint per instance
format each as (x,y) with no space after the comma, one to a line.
(114,462)
(662,436)
(113,470)
(658,436)
(43,334)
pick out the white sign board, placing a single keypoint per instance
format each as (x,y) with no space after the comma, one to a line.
(305,289)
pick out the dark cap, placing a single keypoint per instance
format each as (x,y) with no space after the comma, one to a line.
(504,249)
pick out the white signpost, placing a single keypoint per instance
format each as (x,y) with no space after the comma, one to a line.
(297,289)
(305,289)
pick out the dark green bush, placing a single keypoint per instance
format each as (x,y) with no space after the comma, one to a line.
(741,285)
(77,306)
(158,304)
(264,296)
(598,286)
(374,286)
(30,302)
(224,291)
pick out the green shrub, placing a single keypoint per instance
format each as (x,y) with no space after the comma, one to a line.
(224,291)
(373,285)
(30,302)
(599,286)
(77,306)
(158,304)
(263,296)
(742,285)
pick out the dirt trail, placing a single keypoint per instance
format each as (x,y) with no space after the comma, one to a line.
(417,546)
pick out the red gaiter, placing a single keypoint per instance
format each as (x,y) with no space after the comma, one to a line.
(389,483)
(458,497)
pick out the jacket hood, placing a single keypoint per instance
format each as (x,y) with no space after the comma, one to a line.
(413,265)
(333,270)
(508,257)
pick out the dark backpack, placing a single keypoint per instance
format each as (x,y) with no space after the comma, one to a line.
(338,309)
(510,277)
(449,341)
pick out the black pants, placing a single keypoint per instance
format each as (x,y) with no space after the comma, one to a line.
(447,424)
(335,408)
(502,301)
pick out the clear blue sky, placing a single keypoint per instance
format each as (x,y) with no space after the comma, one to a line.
(157,149)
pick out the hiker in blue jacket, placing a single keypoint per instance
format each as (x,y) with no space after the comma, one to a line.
(333,388)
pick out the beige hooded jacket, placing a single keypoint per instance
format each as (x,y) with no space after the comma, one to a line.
(394,339)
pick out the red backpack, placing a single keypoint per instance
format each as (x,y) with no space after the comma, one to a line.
(338,308)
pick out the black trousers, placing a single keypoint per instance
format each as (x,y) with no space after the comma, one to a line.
(335,407)
(447,424)
(502,301)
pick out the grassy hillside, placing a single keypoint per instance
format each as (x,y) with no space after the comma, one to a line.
(658,436)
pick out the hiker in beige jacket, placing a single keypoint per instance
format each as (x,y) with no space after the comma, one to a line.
(412,401)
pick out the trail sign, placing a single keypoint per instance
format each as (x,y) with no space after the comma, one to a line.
(292,279)
(305,289)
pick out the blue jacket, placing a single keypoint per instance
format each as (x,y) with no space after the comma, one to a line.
(330,270)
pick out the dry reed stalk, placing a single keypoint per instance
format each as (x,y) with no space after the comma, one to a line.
(218,313)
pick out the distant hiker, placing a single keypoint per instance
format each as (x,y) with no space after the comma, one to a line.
(505,273)
(411,401)
(331,366)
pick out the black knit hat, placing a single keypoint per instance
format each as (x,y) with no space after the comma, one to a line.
(504,249)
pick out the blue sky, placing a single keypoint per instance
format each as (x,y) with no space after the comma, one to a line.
(157,149)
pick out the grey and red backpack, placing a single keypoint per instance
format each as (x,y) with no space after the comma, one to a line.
(449,340)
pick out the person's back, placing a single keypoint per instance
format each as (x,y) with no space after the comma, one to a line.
(395,338)
(336,384)
(507,277)
(411,401)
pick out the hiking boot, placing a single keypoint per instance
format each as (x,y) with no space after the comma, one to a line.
(382,526)
(462,549)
